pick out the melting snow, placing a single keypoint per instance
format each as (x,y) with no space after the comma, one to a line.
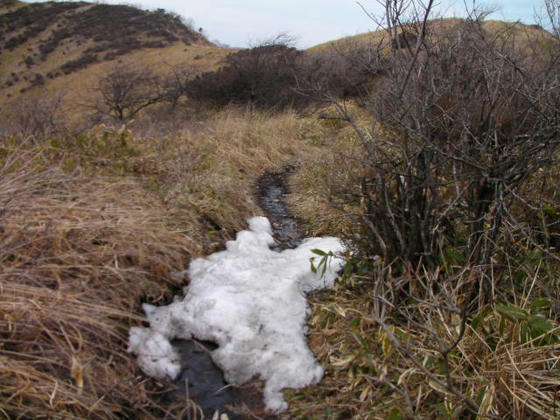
(250,301)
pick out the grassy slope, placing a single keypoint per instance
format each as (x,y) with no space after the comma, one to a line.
(525,34)
(76,85)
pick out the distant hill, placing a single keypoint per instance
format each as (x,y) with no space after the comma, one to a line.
(63,49)
(65,46)
(523,32)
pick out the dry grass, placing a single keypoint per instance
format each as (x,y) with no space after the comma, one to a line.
(370,376)
(324,189)
(228,153)
(78,256)
(92,226)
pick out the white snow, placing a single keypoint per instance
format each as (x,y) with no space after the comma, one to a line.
(250,301)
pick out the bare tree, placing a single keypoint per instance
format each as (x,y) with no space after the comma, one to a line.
(553,14)
(176,83)
(460,118)
(124,92)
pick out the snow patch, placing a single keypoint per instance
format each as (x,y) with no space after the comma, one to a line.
(250,301)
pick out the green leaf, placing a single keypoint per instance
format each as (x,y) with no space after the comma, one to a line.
(319,252)
(540,303)
(355,322)
(502,325)
(540,326)
(348,268)
(524,332)
(313,268)
(453,256)
(511,312)
(395,414)
(550,210)
(442,409)
(429,362)
(480,317)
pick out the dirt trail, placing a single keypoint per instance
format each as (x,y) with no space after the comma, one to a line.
(200,379)
(286,229)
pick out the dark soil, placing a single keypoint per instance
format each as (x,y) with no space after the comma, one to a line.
(271,189)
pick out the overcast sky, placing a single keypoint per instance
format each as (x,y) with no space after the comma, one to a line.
(241,23)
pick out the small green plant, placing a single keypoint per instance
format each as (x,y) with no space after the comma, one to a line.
(511,323)
(323,261)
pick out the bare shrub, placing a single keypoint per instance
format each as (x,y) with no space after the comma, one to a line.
(552,8)
(176,83)
(35,118)
(79,63)
(263,76)
(462,119)
(459,128)
(344,69)
(124,92)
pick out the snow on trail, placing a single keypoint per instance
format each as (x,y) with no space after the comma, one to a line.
(250,301)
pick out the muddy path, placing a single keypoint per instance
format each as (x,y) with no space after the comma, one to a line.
(272,188)
(200,379)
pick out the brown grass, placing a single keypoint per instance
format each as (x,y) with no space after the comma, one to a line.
(228,152)
(92,226)
(368,377)
(321,187)
(78,256)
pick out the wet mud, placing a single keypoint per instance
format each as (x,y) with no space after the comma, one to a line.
(286,229)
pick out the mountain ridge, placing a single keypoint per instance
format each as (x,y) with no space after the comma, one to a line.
(42,41)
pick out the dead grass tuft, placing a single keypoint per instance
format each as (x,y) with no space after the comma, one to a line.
(78,256)
(390,363)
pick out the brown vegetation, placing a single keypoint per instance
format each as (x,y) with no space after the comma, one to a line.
(116,30)
(77,258)
(434,153)
(458,317)
(92,226)
(55,38)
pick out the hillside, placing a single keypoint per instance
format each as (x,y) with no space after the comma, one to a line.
(66,47)
(525,33)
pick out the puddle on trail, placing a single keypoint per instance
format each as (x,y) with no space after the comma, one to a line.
(200,379)
(285,228)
